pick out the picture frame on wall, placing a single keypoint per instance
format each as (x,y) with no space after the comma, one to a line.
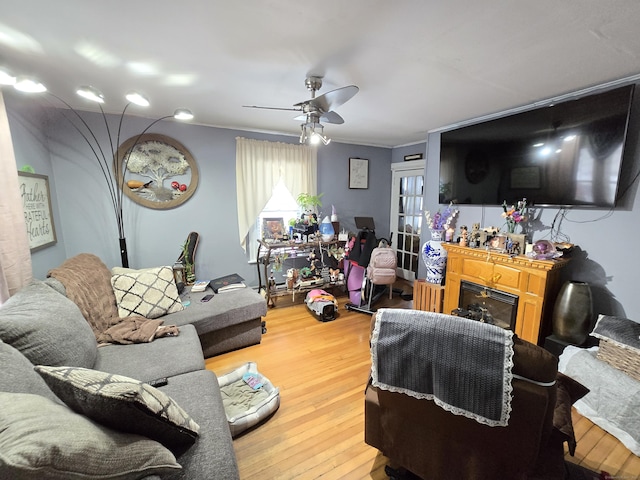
(358,173)
(38,215)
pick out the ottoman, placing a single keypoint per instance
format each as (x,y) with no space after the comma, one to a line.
(230,320)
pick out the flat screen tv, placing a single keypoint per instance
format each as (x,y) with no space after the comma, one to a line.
(565,154)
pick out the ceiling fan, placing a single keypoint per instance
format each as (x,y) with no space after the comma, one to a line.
(318,109)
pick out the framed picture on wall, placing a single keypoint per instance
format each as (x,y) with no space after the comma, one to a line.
(36,202)
(358,173)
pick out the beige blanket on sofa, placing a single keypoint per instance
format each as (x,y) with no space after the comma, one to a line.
(87,281)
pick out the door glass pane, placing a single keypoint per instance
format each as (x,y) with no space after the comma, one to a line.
(409,190)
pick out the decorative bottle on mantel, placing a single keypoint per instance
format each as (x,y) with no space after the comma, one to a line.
(573,313)
(434,256)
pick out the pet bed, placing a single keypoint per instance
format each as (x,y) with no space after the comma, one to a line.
(248,397)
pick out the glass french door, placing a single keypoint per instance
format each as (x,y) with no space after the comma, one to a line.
(406,215)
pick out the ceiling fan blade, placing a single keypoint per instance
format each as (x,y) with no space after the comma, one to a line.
(331,117)
(330,100)
(273,108)
(327,117)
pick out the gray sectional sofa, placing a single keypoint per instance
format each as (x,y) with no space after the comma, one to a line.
(42,437)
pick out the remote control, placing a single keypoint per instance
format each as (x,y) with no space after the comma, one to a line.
(159,382)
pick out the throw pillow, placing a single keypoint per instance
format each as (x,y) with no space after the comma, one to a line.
(150,293)
(42,439)
(121,270)
(122,403)
(47,327)
(18,376)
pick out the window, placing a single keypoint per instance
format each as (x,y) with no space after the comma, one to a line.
(280,205)
(260,167)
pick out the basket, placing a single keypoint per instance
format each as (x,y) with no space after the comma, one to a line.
(625,359)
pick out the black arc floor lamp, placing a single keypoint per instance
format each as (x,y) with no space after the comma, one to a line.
(113,181)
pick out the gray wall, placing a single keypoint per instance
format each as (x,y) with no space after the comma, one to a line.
(31,148)
(83,214)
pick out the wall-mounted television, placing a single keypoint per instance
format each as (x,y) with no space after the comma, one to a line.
(564,154)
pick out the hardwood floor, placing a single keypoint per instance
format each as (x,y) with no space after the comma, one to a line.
(321,370)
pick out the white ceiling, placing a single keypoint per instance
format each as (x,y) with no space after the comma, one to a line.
(420,64)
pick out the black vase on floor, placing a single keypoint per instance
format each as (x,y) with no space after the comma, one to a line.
(573,313)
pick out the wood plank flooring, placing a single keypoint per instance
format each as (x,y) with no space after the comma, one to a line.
(321,370)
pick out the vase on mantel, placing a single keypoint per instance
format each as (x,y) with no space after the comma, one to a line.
(434,256)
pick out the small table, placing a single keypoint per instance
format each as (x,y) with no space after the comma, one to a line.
(264,260)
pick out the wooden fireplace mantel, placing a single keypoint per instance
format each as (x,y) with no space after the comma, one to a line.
(535,282)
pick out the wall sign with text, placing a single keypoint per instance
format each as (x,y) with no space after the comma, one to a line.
(36,202)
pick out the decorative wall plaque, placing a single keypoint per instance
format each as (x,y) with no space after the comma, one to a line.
(156,171)
(36,202)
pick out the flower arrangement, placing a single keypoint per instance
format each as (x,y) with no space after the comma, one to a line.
(441,221)
(514,214)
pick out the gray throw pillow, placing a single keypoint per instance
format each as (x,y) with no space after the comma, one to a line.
(122,403)
(17,374)
(47,327)
(41,439)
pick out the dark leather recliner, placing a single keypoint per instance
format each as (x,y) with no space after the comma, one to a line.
(433,443)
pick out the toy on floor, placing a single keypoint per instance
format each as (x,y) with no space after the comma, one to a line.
(322,304)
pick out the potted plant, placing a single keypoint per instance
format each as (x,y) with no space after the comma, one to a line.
(309,205)
(309,202)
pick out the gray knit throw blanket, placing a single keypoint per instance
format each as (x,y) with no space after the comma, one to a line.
(464,366)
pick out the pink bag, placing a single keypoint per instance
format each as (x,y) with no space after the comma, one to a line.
(382,266)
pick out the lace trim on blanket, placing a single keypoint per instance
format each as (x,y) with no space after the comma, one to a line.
(507,387)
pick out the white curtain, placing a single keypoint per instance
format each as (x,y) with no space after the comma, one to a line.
(259,167)
(15,256)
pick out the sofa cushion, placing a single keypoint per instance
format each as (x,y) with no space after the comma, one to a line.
(150,293)
(87,282)
(47,327)
(164,357)
(122,403)
(17,374)
(212,456)
(42,439)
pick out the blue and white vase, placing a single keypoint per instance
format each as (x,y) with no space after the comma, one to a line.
(434,256)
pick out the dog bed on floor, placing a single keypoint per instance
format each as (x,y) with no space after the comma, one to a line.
(248,397)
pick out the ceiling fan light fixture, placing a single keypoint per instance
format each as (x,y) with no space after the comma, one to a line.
(310,135)
(29,85)
(91,93)
(137,99)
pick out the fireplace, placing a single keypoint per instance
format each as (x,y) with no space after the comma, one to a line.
(534,282)
(487,305)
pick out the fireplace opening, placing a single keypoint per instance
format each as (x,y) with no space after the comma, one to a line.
(487,305)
